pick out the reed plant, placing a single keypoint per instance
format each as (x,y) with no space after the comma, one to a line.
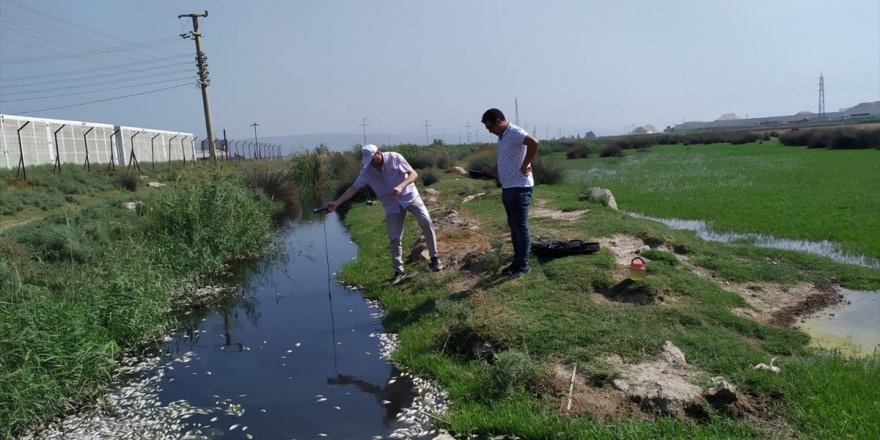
(79,288)
(207,223)
(310,171)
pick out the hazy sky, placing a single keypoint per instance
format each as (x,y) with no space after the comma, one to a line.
(299,67)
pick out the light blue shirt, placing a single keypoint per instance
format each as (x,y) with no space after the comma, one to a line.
(394,170)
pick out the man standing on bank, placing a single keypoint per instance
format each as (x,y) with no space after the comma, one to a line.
(391,177)
(516,149)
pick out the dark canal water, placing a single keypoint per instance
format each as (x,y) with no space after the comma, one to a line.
(290,356)
(298,354)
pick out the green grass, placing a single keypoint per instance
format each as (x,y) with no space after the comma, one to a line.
(787,192)
(550,317)
(81,286)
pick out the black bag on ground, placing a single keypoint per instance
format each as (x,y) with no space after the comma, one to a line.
(546,248)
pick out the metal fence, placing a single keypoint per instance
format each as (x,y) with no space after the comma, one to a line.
(28,141)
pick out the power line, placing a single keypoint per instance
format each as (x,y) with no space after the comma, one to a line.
(94,91)
(103,100)
(125,66)
(88,53)
(103,82)
(89,33)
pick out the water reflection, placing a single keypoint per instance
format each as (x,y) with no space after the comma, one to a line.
(823,248)
(278,354)
(289,354)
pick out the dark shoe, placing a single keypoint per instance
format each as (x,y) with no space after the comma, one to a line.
(519,274)
(397,278)
(436,264)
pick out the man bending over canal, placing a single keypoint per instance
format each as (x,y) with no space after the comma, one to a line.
(392,178)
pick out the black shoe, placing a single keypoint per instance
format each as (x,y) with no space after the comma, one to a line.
(519,274)
(397,278)
(436,264)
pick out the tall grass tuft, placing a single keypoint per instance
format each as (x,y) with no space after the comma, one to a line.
(429,176)
(310,171)
(128,180)
(548,171)
(510,371)
(275,184)
(208,222)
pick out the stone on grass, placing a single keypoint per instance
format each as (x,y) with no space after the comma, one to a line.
(602,196)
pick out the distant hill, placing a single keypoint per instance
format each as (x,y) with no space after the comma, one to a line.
(865,107)
(728,117)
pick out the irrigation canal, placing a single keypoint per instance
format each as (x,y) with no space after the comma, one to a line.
(291,355)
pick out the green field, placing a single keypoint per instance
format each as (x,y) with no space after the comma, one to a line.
(552,316)
(62,334)
(786,192)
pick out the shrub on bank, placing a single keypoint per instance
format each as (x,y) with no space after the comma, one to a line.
(548,171)
(82,288)
(611,151)
(578,152)
(429,176)
(208,223)
(834,138)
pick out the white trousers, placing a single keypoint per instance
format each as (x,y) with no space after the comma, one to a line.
(395,232)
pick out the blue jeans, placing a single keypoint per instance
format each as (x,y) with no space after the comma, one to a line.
(516,203)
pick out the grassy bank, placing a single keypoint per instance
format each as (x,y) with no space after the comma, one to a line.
(492,343)
(90,279)
(787,192)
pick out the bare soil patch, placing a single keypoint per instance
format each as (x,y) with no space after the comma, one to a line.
(776,304)
(602,403)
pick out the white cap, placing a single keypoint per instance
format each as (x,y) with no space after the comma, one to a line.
(367,153)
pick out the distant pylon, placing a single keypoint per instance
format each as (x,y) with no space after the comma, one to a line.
(516,106)
(821,96)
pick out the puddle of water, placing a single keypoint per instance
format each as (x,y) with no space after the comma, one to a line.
(853,328)
(290,356)
(822,248)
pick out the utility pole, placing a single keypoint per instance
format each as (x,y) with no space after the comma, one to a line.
(516,106)
(821,96)
(468,128)
(201,61)
(256,144)
(226,144)
(426,133)
(364,125)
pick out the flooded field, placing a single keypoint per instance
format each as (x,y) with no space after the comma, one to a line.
(823,248)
